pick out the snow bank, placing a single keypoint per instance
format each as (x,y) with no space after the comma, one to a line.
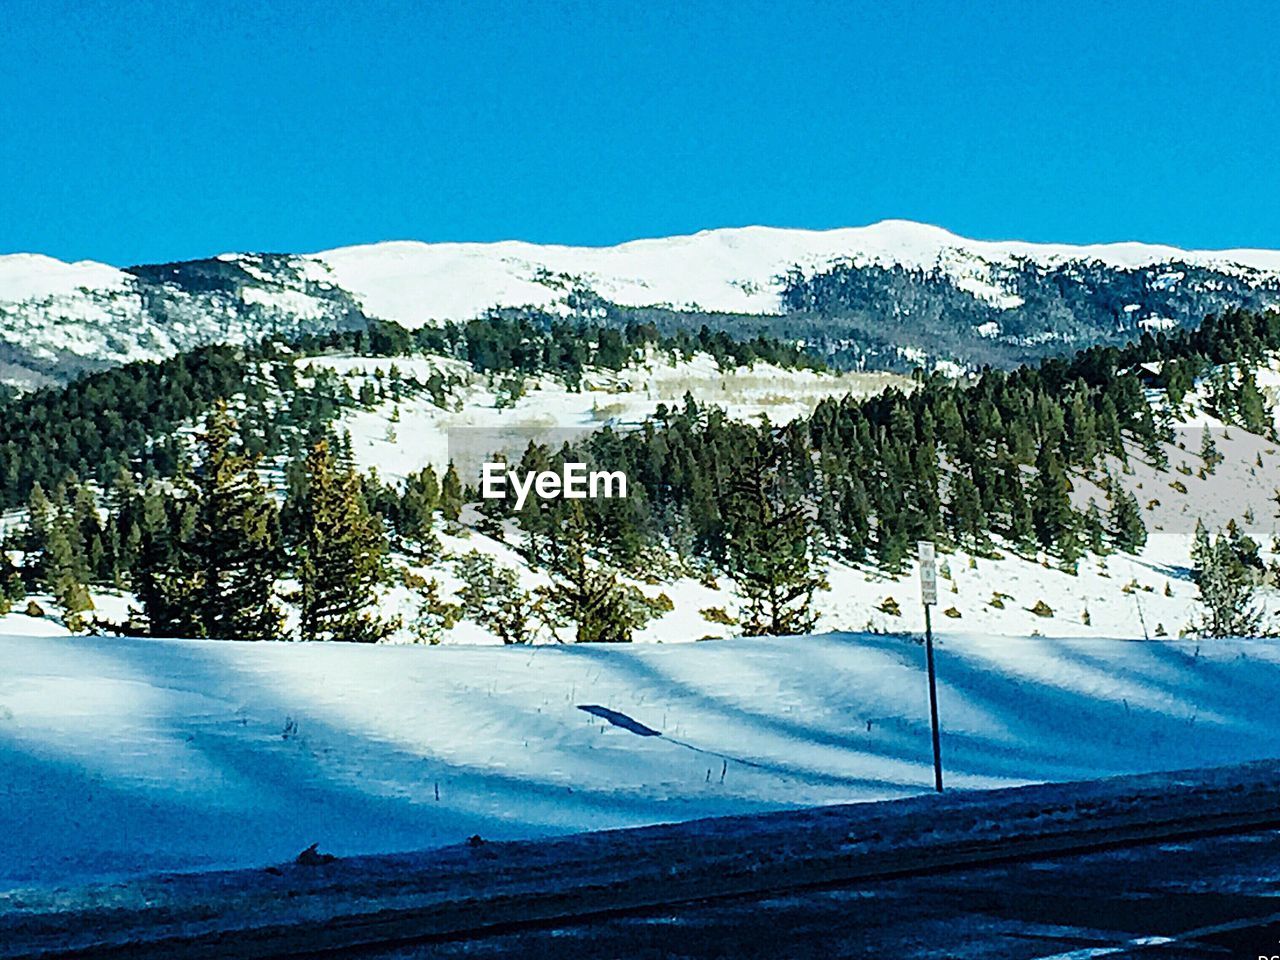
(125,756)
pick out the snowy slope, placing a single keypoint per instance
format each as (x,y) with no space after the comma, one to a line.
(120,756)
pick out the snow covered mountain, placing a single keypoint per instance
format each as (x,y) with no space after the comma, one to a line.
(740,270)
(914,287)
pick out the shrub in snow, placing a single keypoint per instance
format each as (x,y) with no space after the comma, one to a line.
(718,615)
(1042,609)
(661,604)
(435,616)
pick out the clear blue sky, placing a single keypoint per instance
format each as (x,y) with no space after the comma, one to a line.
(137,131)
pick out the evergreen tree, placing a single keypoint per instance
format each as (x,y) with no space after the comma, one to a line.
(1128,532)
(966,520)
(340,557)
(123,532)
(11,586)
(65,575)
(1209,451)
(234,546)
(86,532)
(770,533)
(586,593)
(415,514)
(1095,530)
(1051,511)
(1178,381)
(163,578)
(451,494)
(491,595)
(1227,586)
(435,616)
(35,544)
(1021,529)
(1251,408)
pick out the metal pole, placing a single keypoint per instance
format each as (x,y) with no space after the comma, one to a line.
(933,700)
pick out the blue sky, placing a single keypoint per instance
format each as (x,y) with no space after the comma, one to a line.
(134,131)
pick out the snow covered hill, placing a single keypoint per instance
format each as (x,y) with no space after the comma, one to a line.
(1150,595)
(59,319)
(735,270)
(123,756)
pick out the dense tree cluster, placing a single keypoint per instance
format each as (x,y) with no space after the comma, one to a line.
(129,418)
(1074,303)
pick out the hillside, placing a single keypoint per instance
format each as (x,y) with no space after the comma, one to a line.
(1065,563)
(883,296)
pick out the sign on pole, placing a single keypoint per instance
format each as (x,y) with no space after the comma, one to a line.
(929,594)
(928,572)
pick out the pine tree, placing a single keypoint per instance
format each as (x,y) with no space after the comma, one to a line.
(1054,519)
(1250,405)
(65,575)
(451,494)
(162,579)
(584,592)
(123,532)
(491,595)
(340,556)
(770,533)
(1095,530)
(965,517)
(1209,451)
(435,616)
(234,546)
(1021,529)
(1178,382)
(86,532)
(39,523)
(11,587)
(1227,586)
(415,516)
(1128,532)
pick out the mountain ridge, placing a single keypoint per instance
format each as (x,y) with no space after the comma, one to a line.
(1260,258)
(915,287)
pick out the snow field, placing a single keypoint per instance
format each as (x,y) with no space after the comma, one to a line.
(124,756)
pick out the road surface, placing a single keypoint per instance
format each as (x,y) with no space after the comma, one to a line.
(1216,897)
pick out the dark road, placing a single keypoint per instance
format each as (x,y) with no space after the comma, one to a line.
(1213,898)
